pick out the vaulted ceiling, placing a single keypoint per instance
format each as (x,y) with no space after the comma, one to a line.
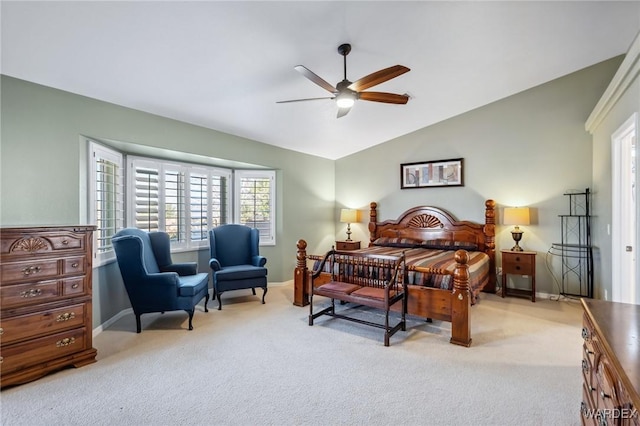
(223,65)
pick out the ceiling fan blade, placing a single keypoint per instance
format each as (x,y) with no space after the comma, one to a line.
(302,100)
(378,77)
(343,111)
(315,78)
(389,98)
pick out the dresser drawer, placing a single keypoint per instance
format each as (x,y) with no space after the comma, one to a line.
(15,243)
(74,286)
(40,323)
(74,265)
(606,393)
(29,294)
(22,355)
(35,270)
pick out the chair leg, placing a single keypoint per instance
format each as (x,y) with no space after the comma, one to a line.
(190,312)
(219,301)
(264,294)
(253,290)
(206,300)
(138,324)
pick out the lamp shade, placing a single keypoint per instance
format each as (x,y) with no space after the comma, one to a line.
(516,216)
(349,215)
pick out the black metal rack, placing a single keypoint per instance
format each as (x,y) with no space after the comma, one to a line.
(574,248)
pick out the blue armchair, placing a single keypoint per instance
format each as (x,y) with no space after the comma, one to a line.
(153,282)
(235,260)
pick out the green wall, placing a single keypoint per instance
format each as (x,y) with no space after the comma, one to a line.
(43,179)
(527,149)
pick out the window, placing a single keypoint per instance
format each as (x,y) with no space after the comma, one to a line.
(185,200)
(181,199)
(106,198)
(255,202)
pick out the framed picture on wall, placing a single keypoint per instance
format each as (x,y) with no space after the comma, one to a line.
(427,174)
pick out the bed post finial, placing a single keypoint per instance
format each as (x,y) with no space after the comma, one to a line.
(373,219)
(300,288)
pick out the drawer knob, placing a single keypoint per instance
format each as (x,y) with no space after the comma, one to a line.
(65,342)
(65,242)
(585,366)
(66,316)
(1,359)
(31,292)
(74,265)
(517,258)
(517,267)
(30,270)
(1,331)
(585,333)
(604,395)
(74,286)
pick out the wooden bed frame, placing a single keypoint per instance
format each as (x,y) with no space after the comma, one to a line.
(425,223)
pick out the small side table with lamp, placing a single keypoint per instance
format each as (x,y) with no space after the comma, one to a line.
(517,261)
(348,216)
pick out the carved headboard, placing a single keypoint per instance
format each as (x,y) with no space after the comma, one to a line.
(430,223)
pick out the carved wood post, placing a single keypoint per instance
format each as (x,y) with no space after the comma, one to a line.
(373,218)
(300,276)
(461,302)
(490,243)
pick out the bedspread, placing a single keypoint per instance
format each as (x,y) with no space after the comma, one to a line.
(440,259)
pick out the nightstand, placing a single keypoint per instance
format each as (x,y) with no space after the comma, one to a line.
(519,263)
(347,245)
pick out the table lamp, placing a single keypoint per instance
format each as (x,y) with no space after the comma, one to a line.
(349,216)
(516,216)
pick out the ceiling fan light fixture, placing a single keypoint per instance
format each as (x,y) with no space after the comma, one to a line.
(345,100)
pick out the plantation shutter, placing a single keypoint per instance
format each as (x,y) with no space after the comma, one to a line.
(106,184)
(147,197)
(256,200)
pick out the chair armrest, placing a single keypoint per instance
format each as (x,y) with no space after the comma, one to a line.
(182,269)
(165,279)
(258,260)
(214,264)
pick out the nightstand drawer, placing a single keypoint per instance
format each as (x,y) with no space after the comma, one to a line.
(347,245)
(518,263)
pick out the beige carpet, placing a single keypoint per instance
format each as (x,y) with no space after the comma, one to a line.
(253,364)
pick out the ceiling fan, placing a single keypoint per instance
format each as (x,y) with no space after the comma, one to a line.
(346,93)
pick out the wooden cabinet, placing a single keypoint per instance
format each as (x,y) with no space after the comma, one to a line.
(347,245)
(519,263)
(45,295)
(610,364)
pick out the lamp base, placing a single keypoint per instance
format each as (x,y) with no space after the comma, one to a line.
(348,232)
(517,236)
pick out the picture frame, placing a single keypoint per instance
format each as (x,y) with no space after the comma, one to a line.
(428,174)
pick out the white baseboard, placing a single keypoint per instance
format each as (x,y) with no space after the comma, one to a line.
(110,321)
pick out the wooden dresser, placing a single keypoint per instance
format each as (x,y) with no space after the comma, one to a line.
(610,363)
(45,300)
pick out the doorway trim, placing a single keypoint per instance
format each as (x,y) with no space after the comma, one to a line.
(623,272)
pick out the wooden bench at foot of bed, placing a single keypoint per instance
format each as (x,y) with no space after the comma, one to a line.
(378,284)
(427,302)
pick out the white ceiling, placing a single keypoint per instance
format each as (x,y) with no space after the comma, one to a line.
(223,65)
